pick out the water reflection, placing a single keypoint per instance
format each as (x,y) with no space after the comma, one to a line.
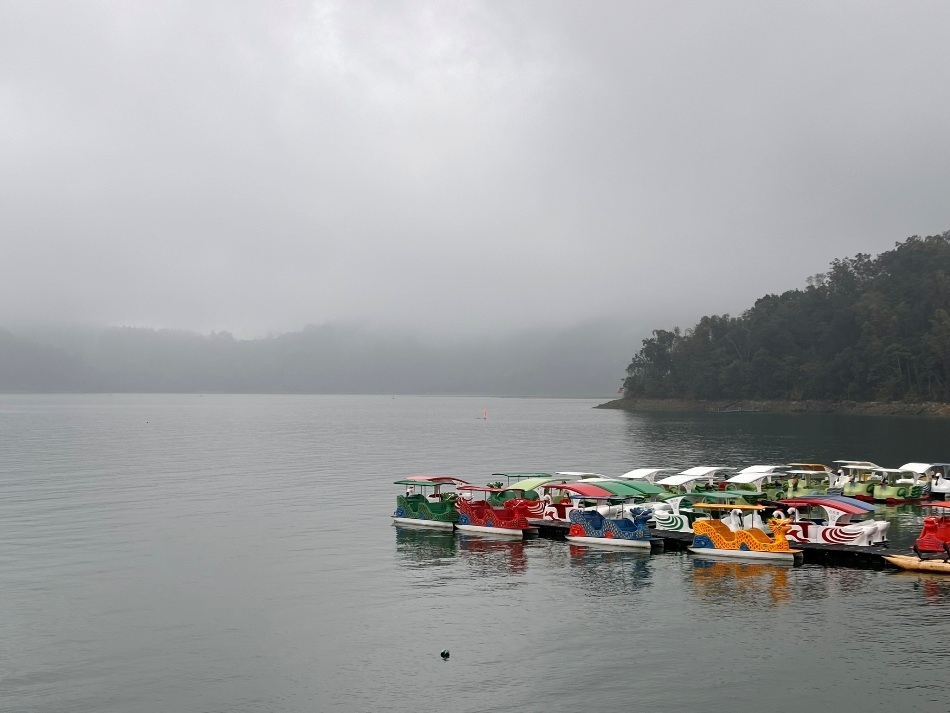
(426,547)
(603,571)
(740,582)
(490,557)
(934,589)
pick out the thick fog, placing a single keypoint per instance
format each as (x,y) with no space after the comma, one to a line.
(456,167)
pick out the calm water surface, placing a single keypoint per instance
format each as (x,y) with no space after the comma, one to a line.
(235,553)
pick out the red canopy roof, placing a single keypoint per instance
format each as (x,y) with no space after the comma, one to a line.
(585,490)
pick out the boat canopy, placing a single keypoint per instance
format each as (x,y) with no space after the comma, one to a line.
(688,476)
(620,488)
(728,506)
(856,463)
(917,467)
(753,476)
(585,490)
(513,476)
(644,473)
(424,480)
(583,475)
(941,505)
(534,483)
(809,466)
(760,470)
(808,473)
(855,507)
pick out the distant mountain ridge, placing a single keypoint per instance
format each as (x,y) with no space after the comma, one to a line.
(580,361)
(870,329)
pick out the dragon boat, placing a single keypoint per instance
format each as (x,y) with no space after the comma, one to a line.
(589,527)
(713,538)
(832,520)
(562,499)
(524,487)
(477,514)
(423,508)
(932,547)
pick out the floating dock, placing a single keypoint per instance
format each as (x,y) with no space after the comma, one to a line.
(813,553)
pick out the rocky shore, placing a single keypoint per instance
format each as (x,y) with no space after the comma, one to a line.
(872,408)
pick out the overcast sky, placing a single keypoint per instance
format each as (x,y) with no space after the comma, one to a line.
(456,166)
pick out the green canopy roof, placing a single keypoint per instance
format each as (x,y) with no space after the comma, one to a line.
(644,487)
(535,482)
(618,488)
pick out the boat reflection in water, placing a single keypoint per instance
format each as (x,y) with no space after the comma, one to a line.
(609,571)
(935,588)
(492,557)
(426,548)
(740,582)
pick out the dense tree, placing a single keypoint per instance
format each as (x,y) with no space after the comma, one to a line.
(868,329)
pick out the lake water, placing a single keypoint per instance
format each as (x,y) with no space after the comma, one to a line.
(235,553)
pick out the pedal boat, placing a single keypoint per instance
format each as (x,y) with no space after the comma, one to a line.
(840,524)
(940,481)
(477,515)
(896,485)
(713,538)
(932,547)
(427,509)
(524,487)
(561,499)
(589,527)
(855,479)
(777,481)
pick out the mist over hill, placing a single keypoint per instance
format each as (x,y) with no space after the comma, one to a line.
(582,360)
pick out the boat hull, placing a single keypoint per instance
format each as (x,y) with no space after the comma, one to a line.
(644,544)
(504,531)
(789,556)
(917,565)
(419,522)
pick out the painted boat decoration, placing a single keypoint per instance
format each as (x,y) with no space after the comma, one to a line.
(591,528)
(477,515)
(562,499)
(519,486)
(855,479)
(636,493)
(525,488)
(679,513)
(932,477)
(932,547)
(935,535)
(713,538)
(424,503)
(841,524)
(895,485)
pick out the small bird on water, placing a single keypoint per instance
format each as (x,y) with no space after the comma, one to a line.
(445,654)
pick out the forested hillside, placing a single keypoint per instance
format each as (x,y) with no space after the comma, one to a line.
(869,329)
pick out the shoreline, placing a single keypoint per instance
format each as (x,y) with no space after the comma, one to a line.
(928,409)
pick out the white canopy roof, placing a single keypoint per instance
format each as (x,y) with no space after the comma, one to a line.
(857,463)
(579,474)
(917,467)
(644,473)
(761,469)
(749,477)
(691,474)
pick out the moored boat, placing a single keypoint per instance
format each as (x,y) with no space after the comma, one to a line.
(841,523)
(424,504)
(915,564)
(591,528)
(932,547)
(896,485)
(713,538)
(477,515)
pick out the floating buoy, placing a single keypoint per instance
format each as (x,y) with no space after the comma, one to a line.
(445,654)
